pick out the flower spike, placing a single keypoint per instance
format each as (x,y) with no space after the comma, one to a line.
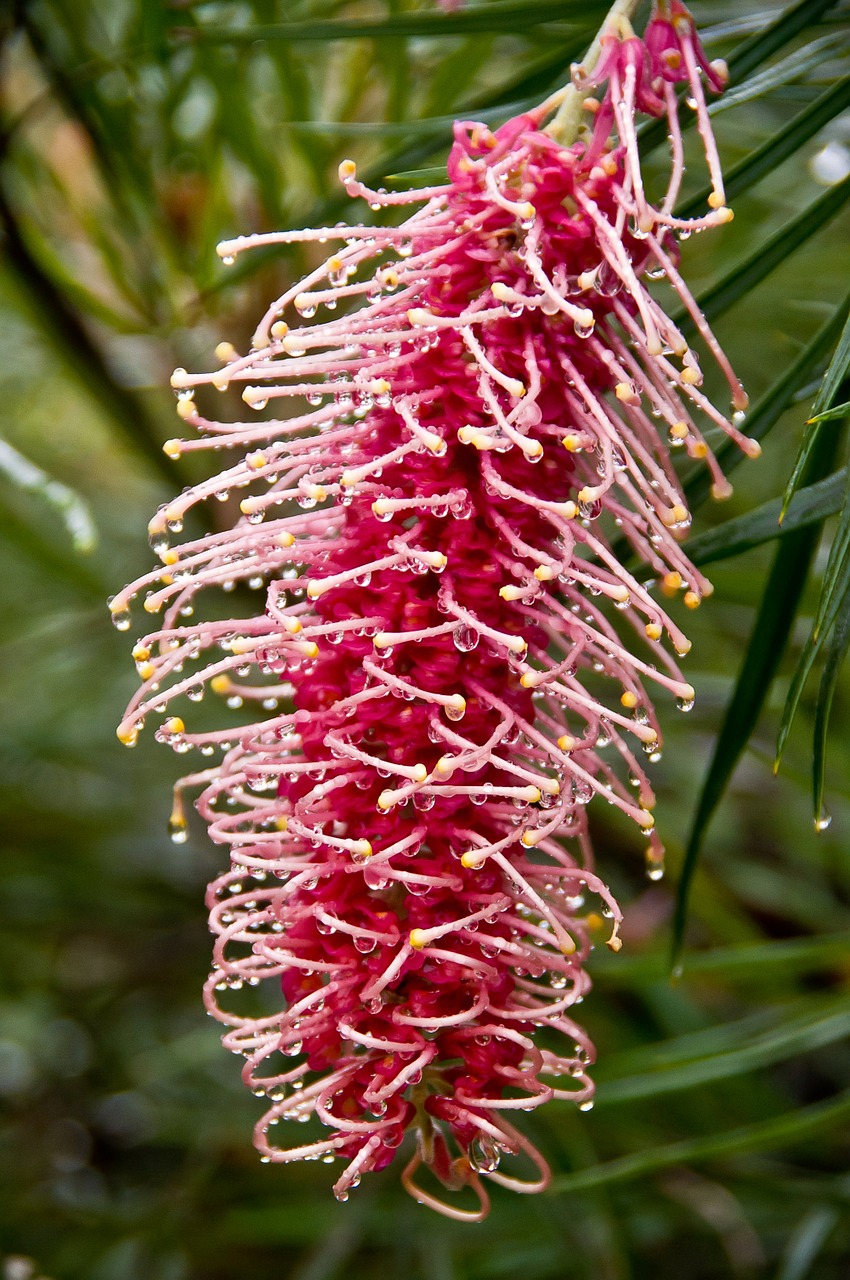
(468,412)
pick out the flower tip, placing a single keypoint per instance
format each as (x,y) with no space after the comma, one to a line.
(221,684)
(180,379)
(174,725)
(420,772)
(566,742)
(386,800)
(751,448)
(653,630)
(363,848)
(127,734)
(444,766)
(172,448)
(721,490)
(511,592)
(628,699)
(347,171)
(418,939)
(186,409)
(472,860)
(691,600)
(285,540)
(225,352)
(528,839)
(279,329)
(256,460)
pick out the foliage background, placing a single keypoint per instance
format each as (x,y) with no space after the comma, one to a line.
(136,133)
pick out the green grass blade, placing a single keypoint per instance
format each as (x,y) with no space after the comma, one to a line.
(737,963)
(513,18)
(73,510)
(807,1240)
(839,642)
(811,505)
(745,275)
(777,148)
(766,1135)
(786,71)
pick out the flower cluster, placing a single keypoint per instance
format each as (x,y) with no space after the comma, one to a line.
(436,515)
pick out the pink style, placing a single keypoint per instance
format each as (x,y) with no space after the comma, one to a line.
(450,659)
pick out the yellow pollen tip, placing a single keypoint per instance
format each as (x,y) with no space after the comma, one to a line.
(419,316)
(385,800)
(282,822)
(292,625)
(458,703)
(566,742)
(348,479)
(145,670)
(699,450)
(533,794)
(653,630)
(569,510)
(186,408)
(314,589)
(527,210)
(256,460)
(225,352)
(334,264)
(551,786)
(586,280)
(347,170)
(528,839)
(221,684)
(180,378)
(516,644)
(752,448)
(172,448)
(279,329)
(141,653)
(628,699)
(572,443)
(585,495)
(242,644)
(418,938)
(683,648)
(363,848)
(721,491)
(382,506)
(501,292)
(444,765)
(515,388)
(692,600)
(420,773)
(646,819)
(567,947)
(530,679)
(247,506)
(382,640)
(285,540)
(715,200)
(691,377)
(511,592)
(127,735)
(671,583)
(534,449)
(309,648)
(152,605)
(472,860)
(679,430)
(625,392)
(174,725)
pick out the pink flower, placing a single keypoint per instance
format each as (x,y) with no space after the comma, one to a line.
(440,685)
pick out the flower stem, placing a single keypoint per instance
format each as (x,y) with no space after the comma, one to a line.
(566,123)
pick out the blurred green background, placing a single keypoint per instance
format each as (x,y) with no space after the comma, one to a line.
(135,134)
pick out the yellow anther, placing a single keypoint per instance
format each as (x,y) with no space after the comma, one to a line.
(382,640)
(609,164)
(382,506)
(418,938)
(348,479)
(751,448)
(419,316)
(221,684)
(586,280)
(721,490)
(653,630)
(279,329)
(285,539)
(571,442)
(243,644)
(145,670)
(363,848)
(622,594)
(472,860)
(629,699)
(382,387)
(186,408)
(141,653)
(292,625)
(585,495)
(533,794)
(527,210)
(614,943)
(180,378)
(625,392)
(221,380)
(544,573)
(457,703)
(698,450)
(347,170)
(174,725)
(445,765)
(308,648)
(511,592)
(715,200)
(567,946)
(386,800)
(691,376)
(501,292)
(435,559)
(515,388)
(594,921)
(334,264)
(166,579)
(516,644)
(531,679)
(152,605)
(551,786)
(314,589)
(389,279)
(646,819)
(172,448)
(248,506)
(528,839)
(127,734)
(692,600)
(671,583)
(533,449)
(256,460)
(169,557)
(433,441)
(420,773)
(569,510)
(281,823)
(566,742)
(683,648)
(679,430)
(225,352)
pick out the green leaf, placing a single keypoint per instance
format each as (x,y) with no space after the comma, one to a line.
(767,1135)
(810,1030)
(783,592)
(807,1240)
(811,505)
(829,415)
(839,642)
(790,955)
(511,17)
(838,369)
(73,509)
(796,65)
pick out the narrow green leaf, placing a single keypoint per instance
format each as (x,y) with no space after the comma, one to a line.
(787,70)
(745,275)
(512,17)
(766,1135)
(839,366)
(796,1036)
(777,148)
(839,642)
(766,646)
(829,415)
(791,955)
(809,506)
(73,509)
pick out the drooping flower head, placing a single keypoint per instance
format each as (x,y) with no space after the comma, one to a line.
(449,660)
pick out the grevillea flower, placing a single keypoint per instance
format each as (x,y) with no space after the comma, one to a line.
(465,440)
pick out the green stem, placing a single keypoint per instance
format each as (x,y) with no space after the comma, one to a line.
(567,122)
